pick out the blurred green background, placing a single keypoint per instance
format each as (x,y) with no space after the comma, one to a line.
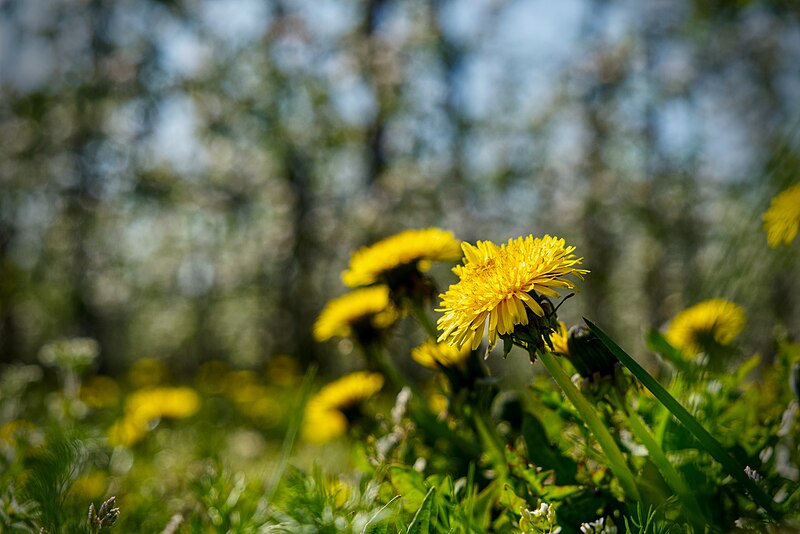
(185,179)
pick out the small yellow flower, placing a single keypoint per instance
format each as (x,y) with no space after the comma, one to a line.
(127,432)
(415,248)
(435,355)
(716,320)
(155,403)
(147,405)
(498,282)
(325,416)
(782,219)
(560,339)
(438,403)
(338,490)
(363,309)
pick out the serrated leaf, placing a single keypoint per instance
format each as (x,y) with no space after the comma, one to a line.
(410,485)
(544,454)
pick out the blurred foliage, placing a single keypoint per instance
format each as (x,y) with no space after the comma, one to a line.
(185,179)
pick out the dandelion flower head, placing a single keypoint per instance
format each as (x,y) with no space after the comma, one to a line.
(559,339)
(144,406)
(434,355)
(326,412)
(497,284)
(717,320)
(782,219)
(411,248)
(366,307)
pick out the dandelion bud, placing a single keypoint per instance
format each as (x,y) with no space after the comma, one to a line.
(588,354)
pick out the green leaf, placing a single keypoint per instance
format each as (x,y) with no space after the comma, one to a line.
(422,519)
(707,441)
(508,344)
(410,485)
(658,343)
(544,454)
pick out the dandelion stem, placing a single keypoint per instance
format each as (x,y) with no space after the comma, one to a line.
(378,357)
(291,432)
(491,442)
(422,317)
(615,458)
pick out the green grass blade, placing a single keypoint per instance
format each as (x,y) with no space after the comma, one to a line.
(707,441)
(292,431)
(422,519)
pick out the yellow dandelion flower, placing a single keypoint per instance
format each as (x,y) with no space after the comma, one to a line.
(711,321)
(782,219)
(363,309)
(498,282)
(435,355)
(326,412)
(127,432)
(560,338)
(414,248)
(147,405)
(155,403)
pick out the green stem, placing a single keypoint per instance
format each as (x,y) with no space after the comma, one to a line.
(376,355)
(295,421)
(492,443)
(707,441)
(419,313)
(665,467)
(615,458)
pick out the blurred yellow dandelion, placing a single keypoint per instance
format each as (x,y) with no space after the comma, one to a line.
(338,490)
(559,339)
(435,355)
(782,219)
(416,248)
(89,487)
(716,320)
(367,308)
(155,403)
(326,412)
(496,284)
(145,406)
(127,432)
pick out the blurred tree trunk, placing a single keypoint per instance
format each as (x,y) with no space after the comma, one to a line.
(82,197)
(373,66)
